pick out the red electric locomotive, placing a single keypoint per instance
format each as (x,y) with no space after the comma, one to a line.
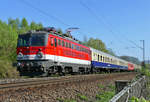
(46,52)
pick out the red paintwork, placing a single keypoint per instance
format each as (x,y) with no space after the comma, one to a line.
(58,50)
(66,52)
(130,66)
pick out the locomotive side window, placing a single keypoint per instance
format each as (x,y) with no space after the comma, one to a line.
(52,41)
(72,46)
(82,49)
(75,47)
(55,42)
(59,42)
(63,43)
(69,45)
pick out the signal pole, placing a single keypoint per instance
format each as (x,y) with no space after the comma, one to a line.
(143,41)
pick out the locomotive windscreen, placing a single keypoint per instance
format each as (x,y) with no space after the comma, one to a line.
(32,40)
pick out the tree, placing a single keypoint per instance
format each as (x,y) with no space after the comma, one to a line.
(24,25)
(131,59)
(110,51)
(8,43)
(33,25)
(14,23)
(40,26)
(97,44)
(59,31)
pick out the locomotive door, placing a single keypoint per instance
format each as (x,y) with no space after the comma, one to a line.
(55,50)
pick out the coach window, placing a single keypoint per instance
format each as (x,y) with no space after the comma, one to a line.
(98,58)
(101,59)
(111,60)
(55,42)
(52,41)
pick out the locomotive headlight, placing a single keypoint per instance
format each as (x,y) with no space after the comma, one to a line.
(20,55)
(40,55)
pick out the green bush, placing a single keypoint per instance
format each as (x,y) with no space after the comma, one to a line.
(6,70)
(105,95)
(145,71)
(135,99)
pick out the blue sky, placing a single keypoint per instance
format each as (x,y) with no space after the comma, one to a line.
(115,22)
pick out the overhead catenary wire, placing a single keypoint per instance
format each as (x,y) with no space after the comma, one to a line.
(100,20)
(44,13)
(108,24)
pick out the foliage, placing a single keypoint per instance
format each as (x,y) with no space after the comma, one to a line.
(112,87)
(110,51)
(101,86)
(7,71)
(145,71)
(105,95)
(82,97)
(135,99)
(60,31)
(66,100)
(131,59)
(8,42)
(34,26)
(97,44)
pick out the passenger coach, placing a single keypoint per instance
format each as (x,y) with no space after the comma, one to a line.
(102,61)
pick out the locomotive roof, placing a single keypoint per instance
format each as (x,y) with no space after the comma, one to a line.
(55,34)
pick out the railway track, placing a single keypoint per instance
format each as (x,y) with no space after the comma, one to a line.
(57,81)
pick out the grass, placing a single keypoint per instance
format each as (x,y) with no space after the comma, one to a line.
(7,70)
(101,86)
(135,99)
(105,95)
(82,97)
(66,100)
